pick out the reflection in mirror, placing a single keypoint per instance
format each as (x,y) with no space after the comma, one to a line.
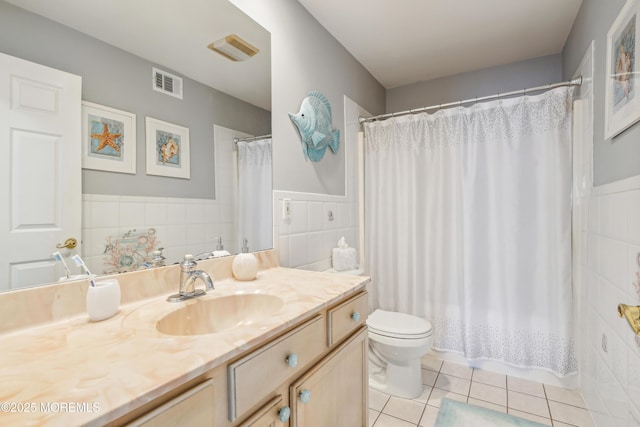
(125,217)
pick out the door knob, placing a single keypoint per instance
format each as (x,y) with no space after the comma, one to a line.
(632,314)
(70,243)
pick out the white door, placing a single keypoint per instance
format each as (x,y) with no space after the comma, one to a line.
(40,169)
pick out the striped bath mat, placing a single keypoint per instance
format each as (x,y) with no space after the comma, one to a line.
(457,414)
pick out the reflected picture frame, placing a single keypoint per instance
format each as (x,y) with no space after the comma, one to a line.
(167,147)
(108,139)
(622,86)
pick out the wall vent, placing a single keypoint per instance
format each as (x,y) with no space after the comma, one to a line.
(167,83)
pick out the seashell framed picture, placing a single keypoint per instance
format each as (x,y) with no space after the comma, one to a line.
(167,149)
(108,139)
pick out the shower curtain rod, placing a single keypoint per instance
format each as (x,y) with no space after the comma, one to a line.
(251,138)
(575,82)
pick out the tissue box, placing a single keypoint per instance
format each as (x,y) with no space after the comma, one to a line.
(344,259)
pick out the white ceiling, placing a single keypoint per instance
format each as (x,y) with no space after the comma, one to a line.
(407,41)
(174,34)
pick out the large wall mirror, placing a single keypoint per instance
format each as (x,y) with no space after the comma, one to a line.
(115,46)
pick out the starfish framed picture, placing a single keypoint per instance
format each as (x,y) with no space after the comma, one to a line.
(167,149)
(108,139)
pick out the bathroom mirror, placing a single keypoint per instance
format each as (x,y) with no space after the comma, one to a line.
(115,46)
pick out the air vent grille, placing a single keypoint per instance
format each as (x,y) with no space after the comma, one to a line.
(167,83)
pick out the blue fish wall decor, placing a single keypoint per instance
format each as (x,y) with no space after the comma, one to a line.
(314,124)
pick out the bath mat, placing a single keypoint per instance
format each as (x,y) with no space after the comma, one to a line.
(457,414)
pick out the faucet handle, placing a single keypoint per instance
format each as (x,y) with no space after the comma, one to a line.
(188,262)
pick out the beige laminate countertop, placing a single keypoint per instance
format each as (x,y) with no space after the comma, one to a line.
(77,372)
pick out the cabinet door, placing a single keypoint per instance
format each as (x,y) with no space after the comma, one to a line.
(334,392)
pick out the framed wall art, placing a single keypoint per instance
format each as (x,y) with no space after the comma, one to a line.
(622,101)
(167,149)
(108,139)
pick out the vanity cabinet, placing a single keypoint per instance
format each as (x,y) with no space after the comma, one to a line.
(313,375)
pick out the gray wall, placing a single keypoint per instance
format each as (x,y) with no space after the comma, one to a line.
(620,157)
(306,57)
(115,78)
(489,81)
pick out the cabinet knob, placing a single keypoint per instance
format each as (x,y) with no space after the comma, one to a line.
(292,360)
(355,316)
(284,414)
(305,396)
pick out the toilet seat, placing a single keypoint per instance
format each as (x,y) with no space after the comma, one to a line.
(398,325)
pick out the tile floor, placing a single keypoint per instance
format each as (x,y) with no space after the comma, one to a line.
(543,403)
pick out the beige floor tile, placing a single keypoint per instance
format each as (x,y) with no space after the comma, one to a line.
(454,384)
(488,393)
(527,403)
(429,377)
(424,397)
(525,386)
(563,395)
(491,378)
(385,420)
(377,400)
(570,414)
(530,417)
(429,417)
(373,416)
(408,410)
(431,362)
(437,394)
(487,405)
(457,370)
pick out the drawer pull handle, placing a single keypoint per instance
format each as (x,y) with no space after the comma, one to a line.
(292,360)
(355,316)
(305,396)
(284,414)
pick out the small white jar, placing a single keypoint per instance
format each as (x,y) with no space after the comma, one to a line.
(103,299)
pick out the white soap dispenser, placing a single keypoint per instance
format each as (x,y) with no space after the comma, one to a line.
(245,264)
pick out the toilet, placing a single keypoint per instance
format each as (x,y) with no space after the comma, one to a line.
(397,342)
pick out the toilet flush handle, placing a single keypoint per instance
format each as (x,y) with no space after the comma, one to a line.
(355,316)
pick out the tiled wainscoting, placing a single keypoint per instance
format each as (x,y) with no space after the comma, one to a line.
(315,223)
(548,405)
(610,353)
(181,225)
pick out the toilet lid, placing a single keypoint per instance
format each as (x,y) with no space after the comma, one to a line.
(399,325)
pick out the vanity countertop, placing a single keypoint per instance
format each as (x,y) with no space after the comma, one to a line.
(75,372)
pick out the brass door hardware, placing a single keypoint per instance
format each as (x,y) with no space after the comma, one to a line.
(70,243)
(632,313)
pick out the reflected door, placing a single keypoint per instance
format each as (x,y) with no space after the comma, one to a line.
(40,169)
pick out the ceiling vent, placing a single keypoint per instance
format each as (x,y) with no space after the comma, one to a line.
(167,83)
(234,48)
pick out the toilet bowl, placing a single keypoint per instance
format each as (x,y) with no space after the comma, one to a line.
(397,342)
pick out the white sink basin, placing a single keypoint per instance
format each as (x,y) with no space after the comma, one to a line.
(211,315)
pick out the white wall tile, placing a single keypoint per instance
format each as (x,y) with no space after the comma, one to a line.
(299,217)
(104,214)
(282,245)
(131,214)
(177,235)
(594,252)
(316,250)
(176,213)
(342,216)
(333,208)
(633,217)
(613,216)
(155,213)
(316,216)
(298,249)
(195,213)
(633,275)
(594,214)
(613,261)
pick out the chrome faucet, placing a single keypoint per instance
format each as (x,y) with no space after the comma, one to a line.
(188,277)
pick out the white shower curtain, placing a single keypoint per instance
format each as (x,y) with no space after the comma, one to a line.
(468,225)
(254,194)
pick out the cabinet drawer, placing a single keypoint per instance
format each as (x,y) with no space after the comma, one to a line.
(346,317)
(268,415)
(194,408)
(256,375)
